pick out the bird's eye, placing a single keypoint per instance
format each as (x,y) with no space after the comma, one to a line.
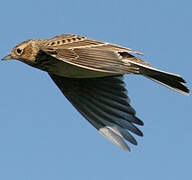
(19,51)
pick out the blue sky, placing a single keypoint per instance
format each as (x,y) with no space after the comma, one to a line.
(43,137)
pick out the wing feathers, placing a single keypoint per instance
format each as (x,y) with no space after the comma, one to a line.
(104,103)
(92,58)
(97,115)
(114,138)
(93,119)
(112,115)
(70,41)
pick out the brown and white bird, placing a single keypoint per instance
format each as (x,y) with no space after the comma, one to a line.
(89,73)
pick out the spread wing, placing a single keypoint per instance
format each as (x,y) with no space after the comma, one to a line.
(105,104)
(91,54)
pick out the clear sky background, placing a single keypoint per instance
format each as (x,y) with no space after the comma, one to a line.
(43,137)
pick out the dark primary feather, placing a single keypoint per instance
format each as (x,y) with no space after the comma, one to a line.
(105,104)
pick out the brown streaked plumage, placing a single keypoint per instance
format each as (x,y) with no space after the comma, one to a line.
(89,73)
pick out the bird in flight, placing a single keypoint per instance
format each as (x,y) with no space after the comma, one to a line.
(90,75)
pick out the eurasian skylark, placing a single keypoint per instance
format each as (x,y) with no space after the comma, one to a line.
(89,73)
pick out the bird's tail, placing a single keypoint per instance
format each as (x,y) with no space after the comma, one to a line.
(173,81)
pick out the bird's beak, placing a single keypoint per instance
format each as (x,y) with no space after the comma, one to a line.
(7,57)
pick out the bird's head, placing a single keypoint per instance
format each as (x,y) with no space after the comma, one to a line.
(25,51)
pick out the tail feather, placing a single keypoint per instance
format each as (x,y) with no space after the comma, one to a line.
(170,81)
(173,81)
